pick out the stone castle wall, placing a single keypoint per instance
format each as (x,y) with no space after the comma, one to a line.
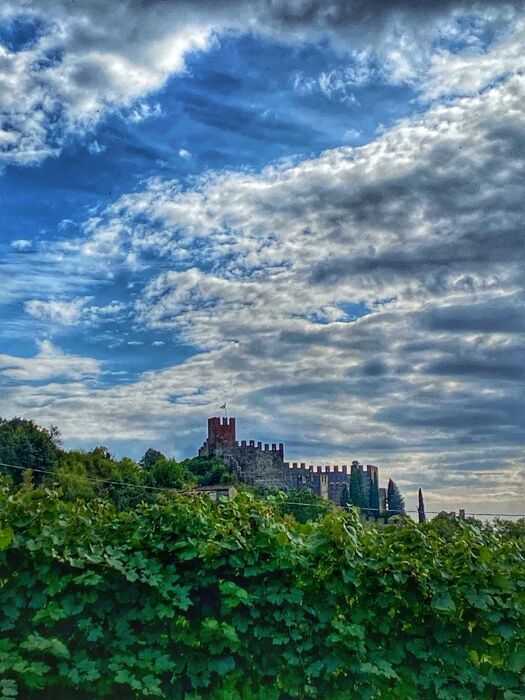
(255,465)
(263,465)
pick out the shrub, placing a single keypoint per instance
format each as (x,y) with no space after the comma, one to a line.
(194,599)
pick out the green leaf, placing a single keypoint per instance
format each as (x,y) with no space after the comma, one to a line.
(517,661)
(443,602)
(6,537)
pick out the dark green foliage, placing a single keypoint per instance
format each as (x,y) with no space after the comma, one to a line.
(24,443)
(421,507)
(96,474)
(150,457)
(345,497)
(357,494)
(304,505)
(228,601)
(209,471)
(374,495)
(166,473)
(395,501)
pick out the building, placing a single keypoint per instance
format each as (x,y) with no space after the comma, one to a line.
(252,462)
(263,465)
(216,492)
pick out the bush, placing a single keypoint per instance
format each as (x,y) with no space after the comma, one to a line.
(194,599)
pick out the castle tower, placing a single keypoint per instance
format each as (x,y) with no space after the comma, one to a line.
(221,431)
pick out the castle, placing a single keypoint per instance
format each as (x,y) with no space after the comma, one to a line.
(264,466)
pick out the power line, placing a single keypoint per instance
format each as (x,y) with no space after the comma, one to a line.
(288,503)
(94,479)
(402,512)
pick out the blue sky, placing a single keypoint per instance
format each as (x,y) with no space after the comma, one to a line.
(311,211)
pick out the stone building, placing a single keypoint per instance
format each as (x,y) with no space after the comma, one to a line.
(264,465)
(253,463)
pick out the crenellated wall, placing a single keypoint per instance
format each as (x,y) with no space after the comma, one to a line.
(262,464)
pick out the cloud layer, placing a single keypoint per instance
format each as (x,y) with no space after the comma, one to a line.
(77,62)
(420,231)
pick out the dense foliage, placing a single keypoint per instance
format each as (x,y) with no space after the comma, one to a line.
(192,599)
(24,442)
(96,474)
(304,505)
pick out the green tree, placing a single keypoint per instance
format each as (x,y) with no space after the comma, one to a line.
(395,501)
(345,497)
(96,474)
(304,505)
(25,444)
(374,494)
(168,474)
(209,471)
(357,493)
(151,456)
(421,507)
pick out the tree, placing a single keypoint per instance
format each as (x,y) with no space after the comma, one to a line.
(345,497)
(209,471)
(357,493)
(395,501)
(374,494)
(150,457)
(304,505)
(25,444)
(421,507)
(167,473)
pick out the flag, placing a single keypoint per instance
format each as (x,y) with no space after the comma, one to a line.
(223,406)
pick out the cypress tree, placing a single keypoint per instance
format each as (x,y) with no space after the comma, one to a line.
(374,495)
(357,494)
(345,497)
(395,501)
(421,507)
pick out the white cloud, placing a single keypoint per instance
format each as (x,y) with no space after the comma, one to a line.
(424,225)
(144,110)
(90,59)
(21,244)
(70,313)
(95,148)
(49,363)
(351,135)
(64,313)
(470,72)
(184,153)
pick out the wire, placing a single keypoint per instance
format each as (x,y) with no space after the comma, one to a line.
(99,481)
(288,503)
(402,512)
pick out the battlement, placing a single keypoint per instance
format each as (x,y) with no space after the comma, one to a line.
(319,469)
(221,431)
(251,444)
(262,464)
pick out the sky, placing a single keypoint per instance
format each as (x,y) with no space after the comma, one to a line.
(312,210)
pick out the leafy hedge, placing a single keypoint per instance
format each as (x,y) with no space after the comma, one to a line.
(190,599)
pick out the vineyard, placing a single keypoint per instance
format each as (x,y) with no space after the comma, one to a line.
(191,599)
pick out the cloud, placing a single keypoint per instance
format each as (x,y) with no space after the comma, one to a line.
(422,228)
(49,363)
(70,313)
(95,148)
(142,111)
(21,244)
(86,60)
